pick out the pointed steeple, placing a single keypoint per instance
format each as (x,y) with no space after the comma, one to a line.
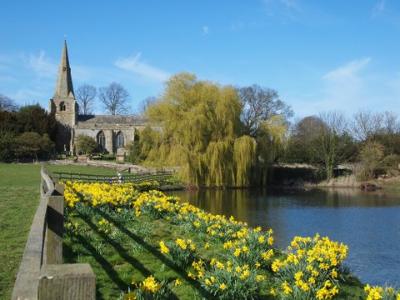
(64,86)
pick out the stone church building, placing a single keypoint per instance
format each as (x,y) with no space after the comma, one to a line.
(111,132)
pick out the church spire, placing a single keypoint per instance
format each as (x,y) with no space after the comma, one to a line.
(64,86)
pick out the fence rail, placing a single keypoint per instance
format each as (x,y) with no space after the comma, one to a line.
(41,274)
(162,178)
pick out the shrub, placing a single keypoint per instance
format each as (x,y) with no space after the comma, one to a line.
(32,144)
(86,144)
(390,164)
(371,155)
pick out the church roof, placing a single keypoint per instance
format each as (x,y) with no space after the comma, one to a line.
(110,120)
(64,86)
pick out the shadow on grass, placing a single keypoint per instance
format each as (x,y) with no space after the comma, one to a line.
(107,267)
(121,251)
(155,252)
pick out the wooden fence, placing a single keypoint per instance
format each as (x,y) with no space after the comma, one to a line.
(41,274)
(160,177)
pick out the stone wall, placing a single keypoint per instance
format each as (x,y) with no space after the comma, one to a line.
(110,132)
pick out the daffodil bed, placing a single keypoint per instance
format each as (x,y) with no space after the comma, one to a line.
(143,244)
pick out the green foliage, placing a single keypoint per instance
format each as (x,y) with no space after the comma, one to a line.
(371,155)
(244,153)
(33,118)
(322,141)
(8,121)
(33,145)
(134,150)
(7,141)
(389,140)
(143,145)
(26,133)
(390,164)
(86,144)
(199,126)
(225,282)
(182,252)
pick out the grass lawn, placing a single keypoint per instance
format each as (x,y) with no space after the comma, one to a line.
(19,197)
(126,251)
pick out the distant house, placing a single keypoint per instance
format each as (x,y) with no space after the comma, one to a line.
(112,132)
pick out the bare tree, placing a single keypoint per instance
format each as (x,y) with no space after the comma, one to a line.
(146,103)
(260,104)
(329,140)
(85,95)
(390,122)
(114,98)
(367,124)
(7,104)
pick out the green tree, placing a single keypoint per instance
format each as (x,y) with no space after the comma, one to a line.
(8,121)
(33,118)
(7,144)
(137,152)
(303,135)
(323,141)
(86,144)
(33,145)
(200,131)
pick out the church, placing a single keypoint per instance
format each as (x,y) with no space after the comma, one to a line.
(111,132)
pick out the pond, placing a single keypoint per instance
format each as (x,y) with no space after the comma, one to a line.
(368,222)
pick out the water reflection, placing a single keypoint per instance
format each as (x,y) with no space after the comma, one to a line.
(368,222)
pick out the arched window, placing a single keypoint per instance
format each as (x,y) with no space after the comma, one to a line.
(101,140)
(119,140)
(62,106)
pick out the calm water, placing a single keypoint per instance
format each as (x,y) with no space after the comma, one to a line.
(369,223)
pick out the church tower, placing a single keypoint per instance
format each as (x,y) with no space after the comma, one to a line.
(63,104)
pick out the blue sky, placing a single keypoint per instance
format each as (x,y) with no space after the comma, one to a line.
(319,55)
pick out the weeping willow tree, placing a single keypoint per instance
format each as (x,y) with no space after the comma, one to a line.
(198,126)
(244,156)
(199,129)
(271,140)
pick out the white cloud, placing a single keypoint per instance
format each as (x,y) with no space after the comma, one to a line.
(349,71)
(205,30)
(345,88)
(42,65)
(135,65)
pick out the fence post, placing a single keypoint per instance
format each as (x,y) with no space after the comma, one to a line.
(67,282)
(55,229)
